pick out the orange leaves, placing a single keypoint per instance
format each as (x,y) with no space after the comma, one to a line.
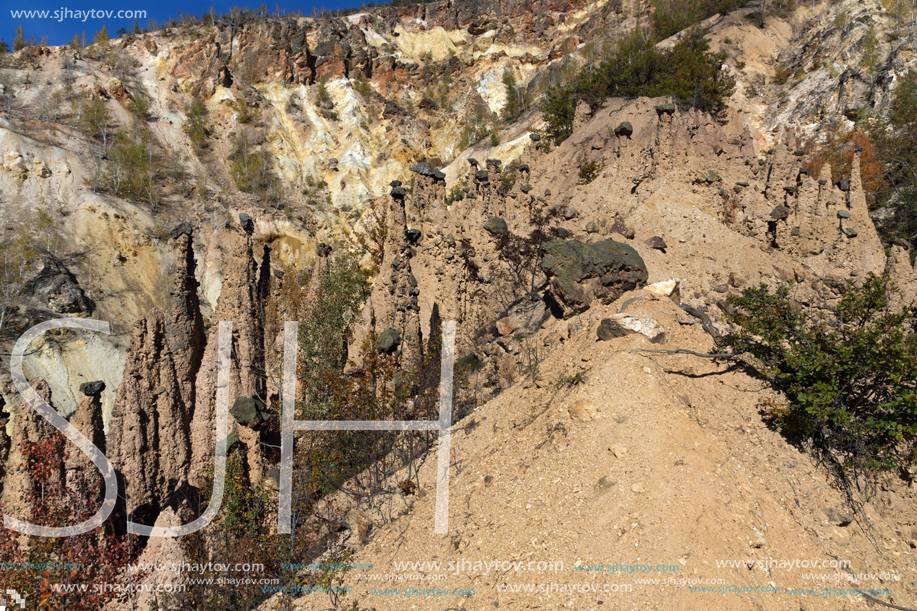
(838,149)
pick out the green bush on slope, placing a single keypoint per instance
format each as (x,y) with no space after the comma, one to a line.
(849,373)
(687,71)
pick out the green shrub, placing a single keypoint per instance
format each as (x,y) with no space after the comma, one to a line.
(687,71)
(508,178)
(672,16)
(321,91)
(848,373)
(194,124)
(478,125)
(137,167)
(128,173)
(95,118)
(250,169)
(782,75)
(246,112)
(362,86)
(589,171)
(140,106)
(470,362)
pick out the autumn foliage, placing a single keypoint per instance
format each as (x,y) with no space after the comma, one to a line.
(92,566)
(838,148)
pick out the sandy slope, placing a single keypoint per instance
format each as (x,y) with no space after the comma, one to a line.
(677,469)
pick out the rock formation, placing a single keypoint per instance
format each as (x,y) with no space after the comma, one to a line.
(28,426)
(186,325)
(149,430)
(82,475)
(239,303)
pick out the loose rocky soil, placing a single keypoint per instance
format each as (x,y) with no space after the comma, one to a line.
(655,460)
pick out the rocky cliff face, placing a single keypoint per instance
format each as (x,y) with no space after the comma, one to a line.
(642,192)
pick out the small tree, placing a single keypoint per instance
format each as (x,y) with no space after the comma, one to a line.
(375,231)
(849,373)
(519,259)
(101,37)
(20,41)
(16,256)
(514,97)
(194,123)
(871,50)
(837,148)
(96,121)
(7,81)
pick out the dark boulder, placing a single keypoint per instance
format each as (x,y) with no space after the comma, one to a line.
(624,129)
(609,329)
(91,389)
(391,110)
(624,230)
(425,169)
(183,229)
(780,212)
(656,242)
(389,340)
(496,226)
(581,273)
(249,412)
(57,287)
(248,226)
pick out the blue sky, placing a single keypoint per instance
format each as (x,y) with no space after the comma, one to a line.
(60,26)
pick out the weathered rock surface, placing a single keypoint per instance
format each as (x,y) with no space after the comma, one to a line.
(581,273)
(82,474)
(239,303)
(621,324)
(149,433)
(28,426)
(58,289)
(186,325)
